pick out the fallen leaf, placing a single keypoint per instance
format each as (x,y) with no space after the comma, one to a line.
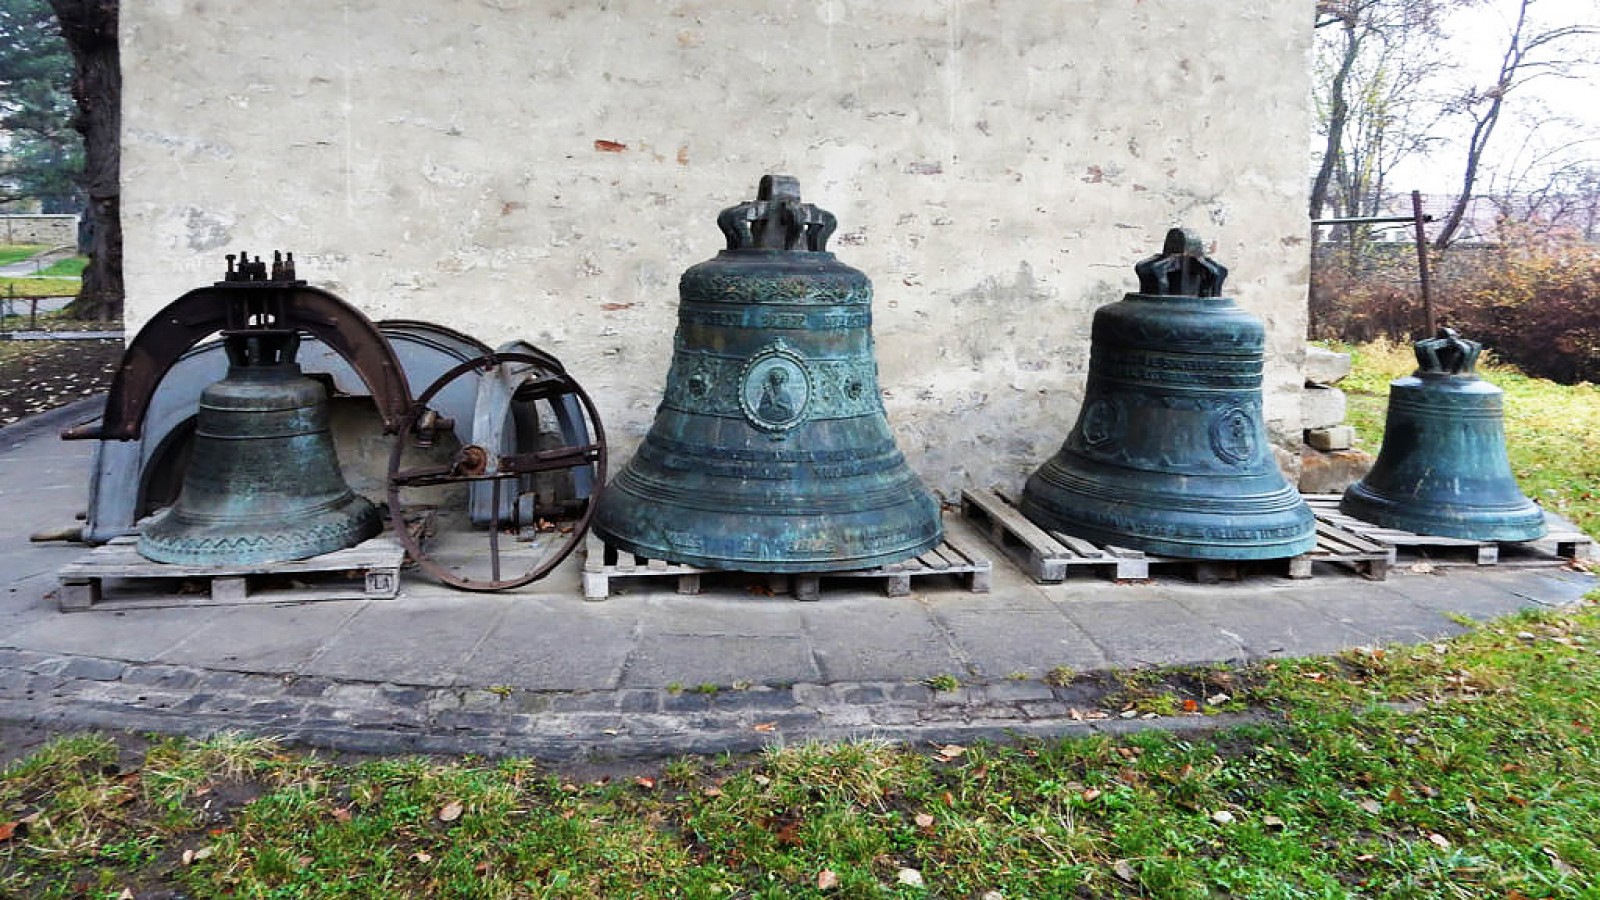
(1124,870)
(451,811)
(1371,806)
(1396,795)
(951,751)
(7,829)
(204,853)
(127,894)
(923,820)
(765,726)
(646,782)
(1561,865)
(341,814)
(713,791)
(605,146)
(992,895)
(1222,817)
(1439,840)
(422,856)
(910,877)
(1421,568)
(1272,821)
(1217,699)
(827,879)
(761,780)
(1190,706)
(1090,795)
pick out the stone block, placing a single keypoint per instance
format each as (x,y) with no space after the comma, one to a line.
(1336,437)
(1321,407)
(1330,472)
(1326,367)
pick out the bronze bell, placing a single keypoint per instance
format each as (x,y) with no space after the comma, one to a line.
(771,451)
(263,483)
(1170,454)
(1443,468)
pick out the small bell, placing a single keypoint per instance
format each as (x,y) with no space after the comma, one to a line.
(263,483)
(1443,468)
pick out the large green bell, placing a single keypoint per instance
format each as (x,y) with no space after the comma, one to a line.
(771,451)
(263,483)
(1170,454)
(1443,468)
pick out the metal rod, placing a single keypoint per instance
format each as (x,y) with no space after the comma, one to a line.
(1418,219)
(1370,220)
(494,530)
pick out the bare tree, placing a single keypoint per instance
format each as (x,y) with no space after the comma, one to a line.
(1531,52)
(90,28)
(1373,58)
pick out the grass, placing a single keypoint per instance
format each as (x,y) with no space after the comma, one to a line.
(1552,430)
(37,287)
(71,267)
(15,253)
(1468,768)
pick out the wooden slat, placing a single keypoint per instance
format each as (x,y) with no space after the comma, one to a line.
(1079,546)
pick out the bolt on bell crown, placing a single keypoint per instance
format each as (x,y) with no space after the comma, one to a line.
(1170,452)
(1443,468)
(771,450)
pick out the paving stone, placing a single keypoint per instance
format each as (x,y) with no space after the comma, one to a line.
(884,639)
(1018,691)
(266,639)
(1380,613)
(1148,629)
(1271,623)
(420,640)
(1001,643)
(174,677)
(690,660)
(756,698)
(547,646)
(135,635)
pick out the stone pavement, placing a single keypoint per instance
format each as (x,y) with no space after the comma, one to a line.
(540,671)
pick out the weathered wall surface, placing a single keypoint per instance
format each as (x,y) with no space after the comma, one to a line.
(51,230)
(996,168)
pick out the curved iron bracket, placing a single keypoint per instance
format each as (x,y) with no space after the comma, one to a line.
(205,311)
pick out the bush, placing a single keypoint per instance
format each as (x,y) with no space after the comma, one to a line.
(1534,299)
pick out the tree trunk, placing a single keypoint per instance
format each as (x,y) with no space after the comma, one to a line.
(90,29)
(1338,115)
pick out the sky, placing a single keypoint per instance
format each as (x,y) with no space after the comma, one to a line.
(1478,36)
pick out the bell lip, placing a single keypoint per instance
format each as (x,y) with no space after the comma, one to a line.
(346,525)
(791,567)
(1197,548)
(1508,523)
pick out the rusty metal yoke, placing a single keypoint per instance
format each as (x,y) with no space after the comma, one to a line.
(249,296)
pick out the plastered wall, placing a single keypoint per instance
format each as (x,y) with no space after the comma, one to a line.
(545,170)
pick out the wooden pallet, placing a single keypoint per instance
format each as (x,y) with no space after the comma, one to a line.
(370,569)
(603,563)
(1562,541)
(1048,556)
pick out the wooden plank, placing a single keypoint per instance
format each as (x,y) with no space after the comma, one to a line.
(373,565)
(1014,521)
(1079,546)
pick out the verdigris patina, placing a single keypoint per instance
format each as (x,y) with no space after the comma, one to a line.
(771,450)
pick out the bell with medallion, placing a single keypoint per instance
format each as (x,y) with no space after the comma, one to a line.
(771,450)
(1170,453)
